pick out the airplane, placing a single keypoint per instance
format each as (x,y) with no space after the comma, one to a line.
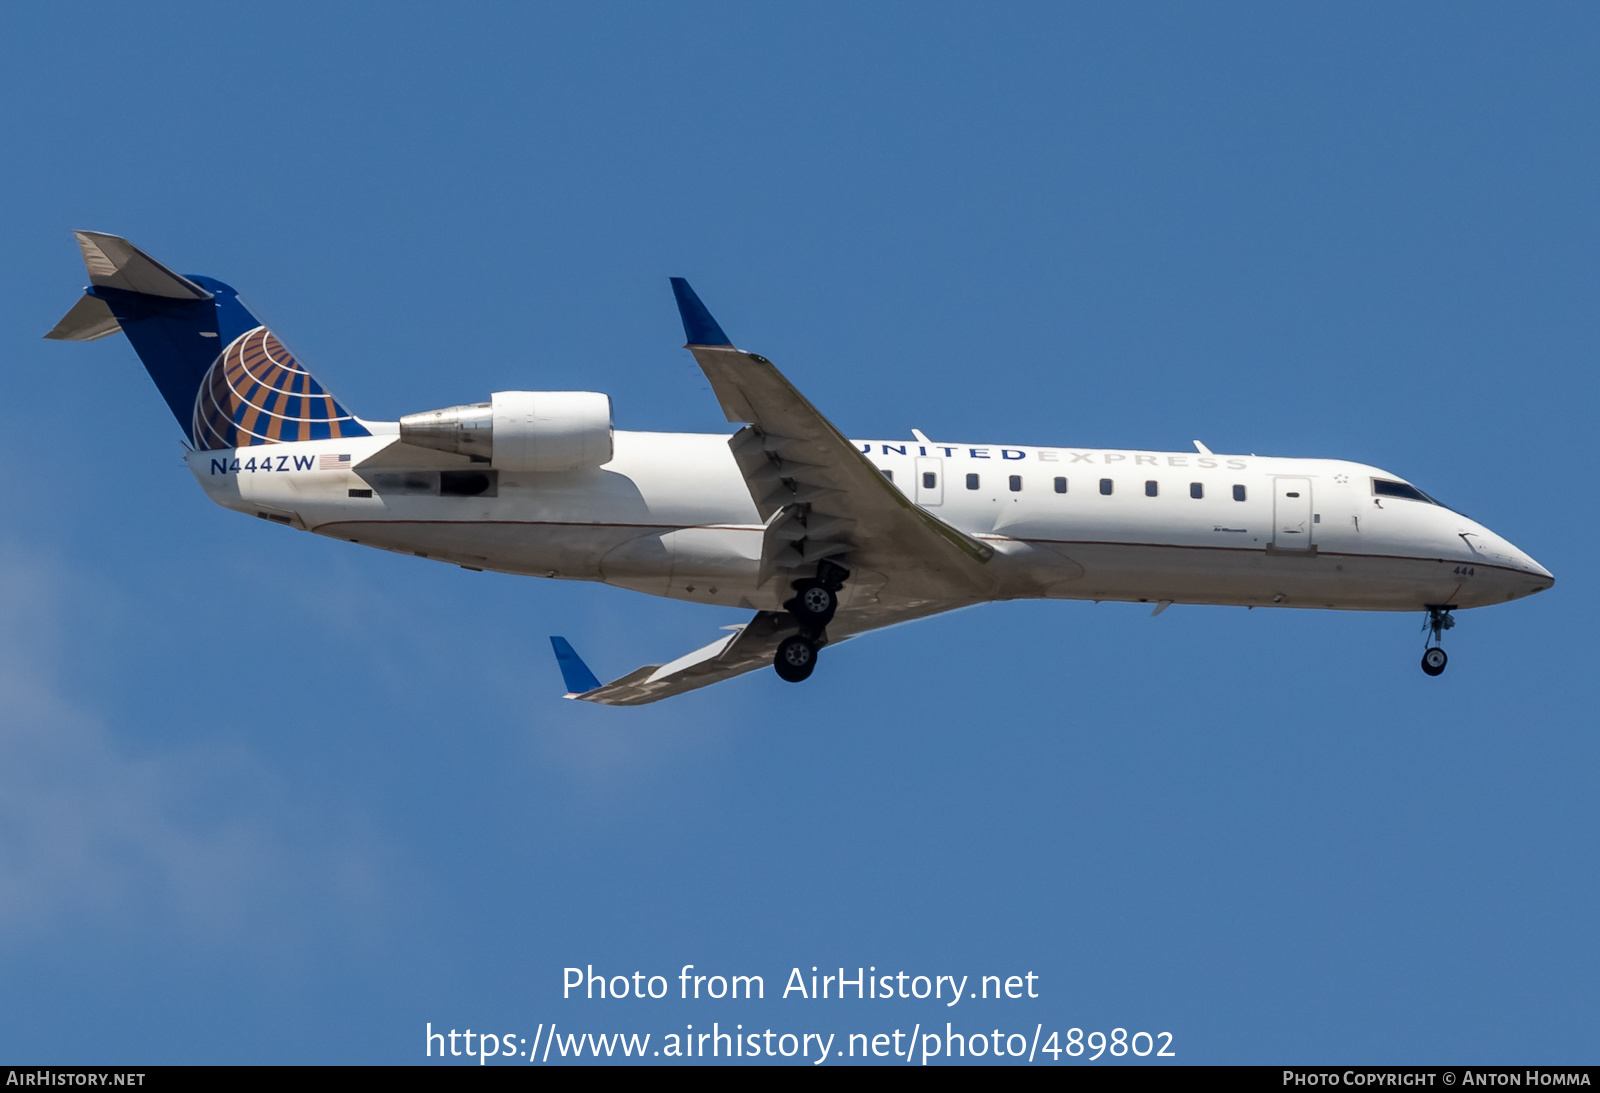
(823,538)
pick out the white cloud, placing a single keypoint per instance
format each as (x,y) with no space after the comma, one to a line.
(201,838)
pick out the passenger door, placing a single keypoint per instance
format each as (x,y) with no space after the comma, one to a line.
(1291,514)
(930,481)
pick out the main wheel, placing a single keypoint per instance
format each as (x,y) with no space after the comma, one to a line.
(795,660)
(1434,660)
(814,604)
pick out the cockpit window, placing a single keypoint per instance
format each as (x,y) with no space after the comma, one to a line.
(1383,487)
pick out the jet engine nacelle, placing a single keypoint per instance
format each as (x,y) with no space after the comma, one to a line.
(521,430)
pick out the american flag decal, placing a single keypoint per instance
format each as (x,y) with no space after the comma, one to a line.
(333,463)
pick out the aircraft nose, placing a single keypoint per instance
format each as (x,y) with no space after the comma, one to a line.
(1533,567)
(1542,578)
(1525,576)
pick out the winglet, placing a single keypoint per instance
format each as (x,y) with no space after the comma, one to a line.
(574,671)
(698,325)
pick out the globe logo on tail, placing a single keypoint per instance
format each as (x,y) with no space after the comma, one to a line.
(257,393)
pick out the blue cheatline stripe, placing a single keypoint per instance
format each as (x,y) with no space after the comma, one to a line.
(574,671)
(699,328)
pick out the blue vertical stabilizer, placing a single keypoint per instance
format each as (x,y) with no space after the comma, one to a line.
(225,377)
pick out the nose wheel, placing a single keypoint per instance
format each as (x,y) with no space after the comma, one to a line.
(1439,620)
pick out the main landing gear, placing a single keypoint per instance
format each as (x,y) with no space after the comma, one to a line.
(1439,620)
(815,600)
(796,658)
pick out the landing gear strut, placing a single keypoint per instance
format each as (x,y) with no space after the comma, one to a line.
(815,600)
(1439,620)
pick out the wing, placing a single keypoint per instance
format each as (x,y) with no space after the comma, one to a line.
(747,648)
(821,500)
(820,497)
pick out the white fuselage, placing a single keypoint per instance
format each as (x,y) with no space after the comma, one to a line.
(671,515)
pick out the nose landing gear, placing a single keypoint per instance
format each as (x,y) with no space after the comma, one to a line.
(1439,620)
(815,601)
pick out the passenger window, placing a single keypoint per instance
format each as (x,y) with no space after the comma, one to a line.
(1105,486)
(1016,483)
(1150,488)
(972,481)
(929,480)
(1238,493)
(1061,485)
(1197,490)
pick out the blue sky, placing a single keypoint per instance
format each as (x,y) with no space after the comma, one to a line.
(268,797)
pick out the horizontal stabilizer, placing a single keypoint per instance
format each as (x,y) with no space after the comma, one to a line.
(574,671)
(89,319)
(114,262)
